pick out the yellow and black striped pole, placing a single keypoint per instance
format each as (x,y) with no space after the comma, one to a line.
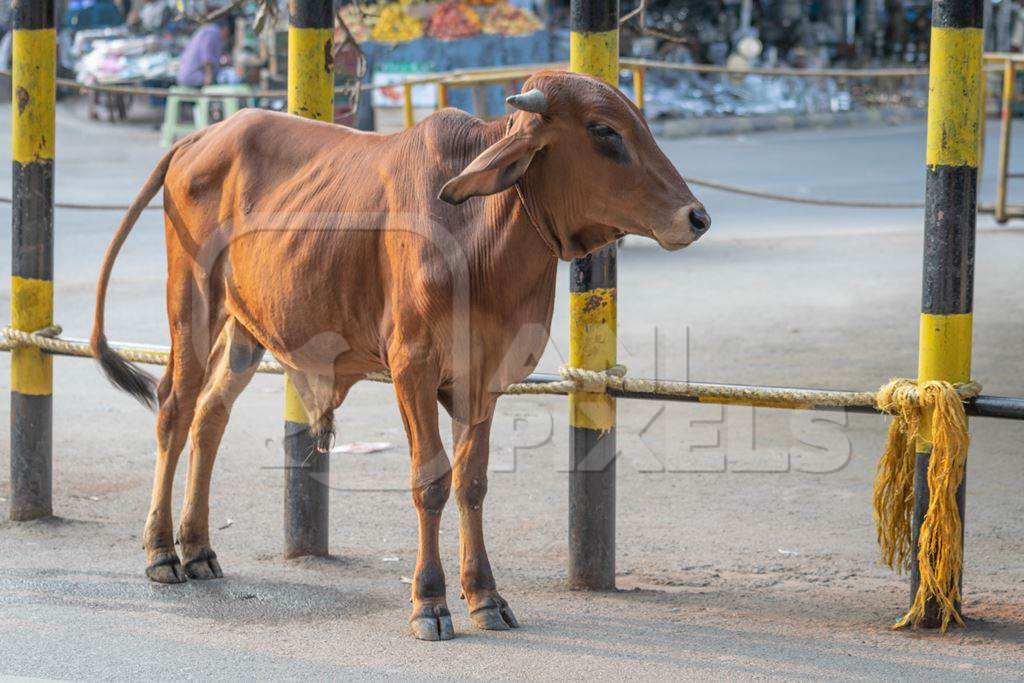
(954,84)
(594,49)
(34,67)
(310,94)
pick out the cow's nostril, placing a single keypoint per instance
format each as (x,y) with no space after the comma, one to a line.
(700,221)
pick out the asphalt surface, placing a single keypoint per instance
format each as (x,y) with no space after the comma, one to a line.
(745,542)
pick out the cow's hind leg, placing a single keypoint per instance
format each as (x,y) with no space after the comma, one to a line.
(177,394)
(487,608)
(430,482)
(233,362)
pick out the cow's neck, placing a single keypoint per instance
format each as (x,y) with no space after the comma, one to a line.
(512,268)
(513,230)
(515,243)
(509,209)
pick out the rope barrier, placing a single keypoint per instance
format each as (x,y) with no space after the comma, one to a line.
(573,379)
(701,182)
(48,339)
(152,91)
(795,199)
(515,72)
(522,71)
(775,71)
(614,379)
(90,207)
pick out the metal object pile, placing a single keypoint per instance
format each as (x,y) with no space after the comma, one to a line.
(786,34)
(694,95)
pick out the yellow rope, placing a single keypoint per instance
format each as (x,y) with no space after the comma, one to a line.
(47,340)
(573,379)
(940,540)
(711,184)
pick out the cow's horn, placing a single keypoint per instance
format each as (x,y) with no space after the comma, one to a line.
(532,101)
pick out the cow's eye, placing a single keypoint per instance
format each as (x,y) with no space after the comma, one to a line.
(608,143)
(603,132)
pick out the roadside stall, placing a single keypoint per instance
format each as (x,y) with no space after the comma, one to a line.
(146,50)
(114,56)
(401,40)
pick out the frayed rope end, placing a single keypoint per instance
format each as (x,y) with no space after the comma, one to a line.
(930,412)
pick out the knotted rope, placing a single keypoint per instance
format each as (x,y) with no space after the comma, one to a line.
(614,380)
(934,411)
(573,379)
(19,339)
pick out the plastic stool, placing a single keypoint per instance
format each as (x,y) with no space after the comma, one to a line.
(231,99)
(174,127)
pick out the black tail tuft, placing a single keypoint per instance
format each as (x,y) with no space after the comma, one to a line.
(124,375)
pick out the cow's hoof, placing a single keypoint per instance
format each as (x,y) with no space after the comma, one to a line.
(494,614)
(166,568)
(432,622)
(204,566)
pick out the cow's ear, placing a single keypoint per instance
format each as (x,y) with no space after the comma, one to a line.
(497,168)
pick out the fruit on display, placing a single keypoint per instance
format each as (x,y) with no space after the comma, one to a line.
(453,20)
(404,20)
(395,25)
(360,24)
(506,20)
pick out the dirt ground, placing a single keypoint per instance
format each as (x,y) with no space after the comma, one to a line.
(745,542)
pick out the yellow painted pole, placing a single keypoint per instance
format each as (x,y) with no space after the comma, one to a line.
(310,95)
(594,50)
(408,116)
(33,98)
(954,85)
(1005,132)
(638,86)
(442,95)
(983,117)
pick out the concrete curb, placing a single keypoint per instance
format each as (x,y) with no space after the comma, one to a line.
(685,128)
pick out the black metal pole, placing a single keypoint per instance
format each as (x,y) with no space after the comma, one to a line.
(34,67)
(594,49)
(950,208)
(592,426)
(311,95)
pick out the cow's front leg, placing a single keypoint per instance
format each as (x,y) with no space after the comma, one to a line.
(430,482)
(487,608)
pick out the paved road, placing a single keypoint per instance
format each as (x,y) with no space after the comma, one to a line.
(871,164)
(742,553)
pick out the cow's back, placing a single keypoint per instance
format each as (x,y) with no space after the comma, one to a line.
(322,217)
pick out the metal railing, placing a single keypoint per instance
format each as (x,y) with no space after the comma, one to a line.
(637,68)
(1007,65)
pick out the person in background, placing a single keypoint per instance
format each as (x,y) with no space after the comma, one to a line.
(201,60)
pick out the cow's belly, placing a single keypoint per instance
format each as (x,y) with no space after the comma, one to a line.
(310,288)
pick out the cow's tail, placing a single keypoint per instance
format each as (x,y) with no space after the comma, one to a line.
(121,373)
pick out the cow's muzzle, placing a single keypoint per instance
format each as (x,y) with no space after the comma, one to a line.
(687,224)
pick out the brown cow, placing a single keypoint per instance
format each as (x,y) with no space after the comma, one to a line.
(344,252)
